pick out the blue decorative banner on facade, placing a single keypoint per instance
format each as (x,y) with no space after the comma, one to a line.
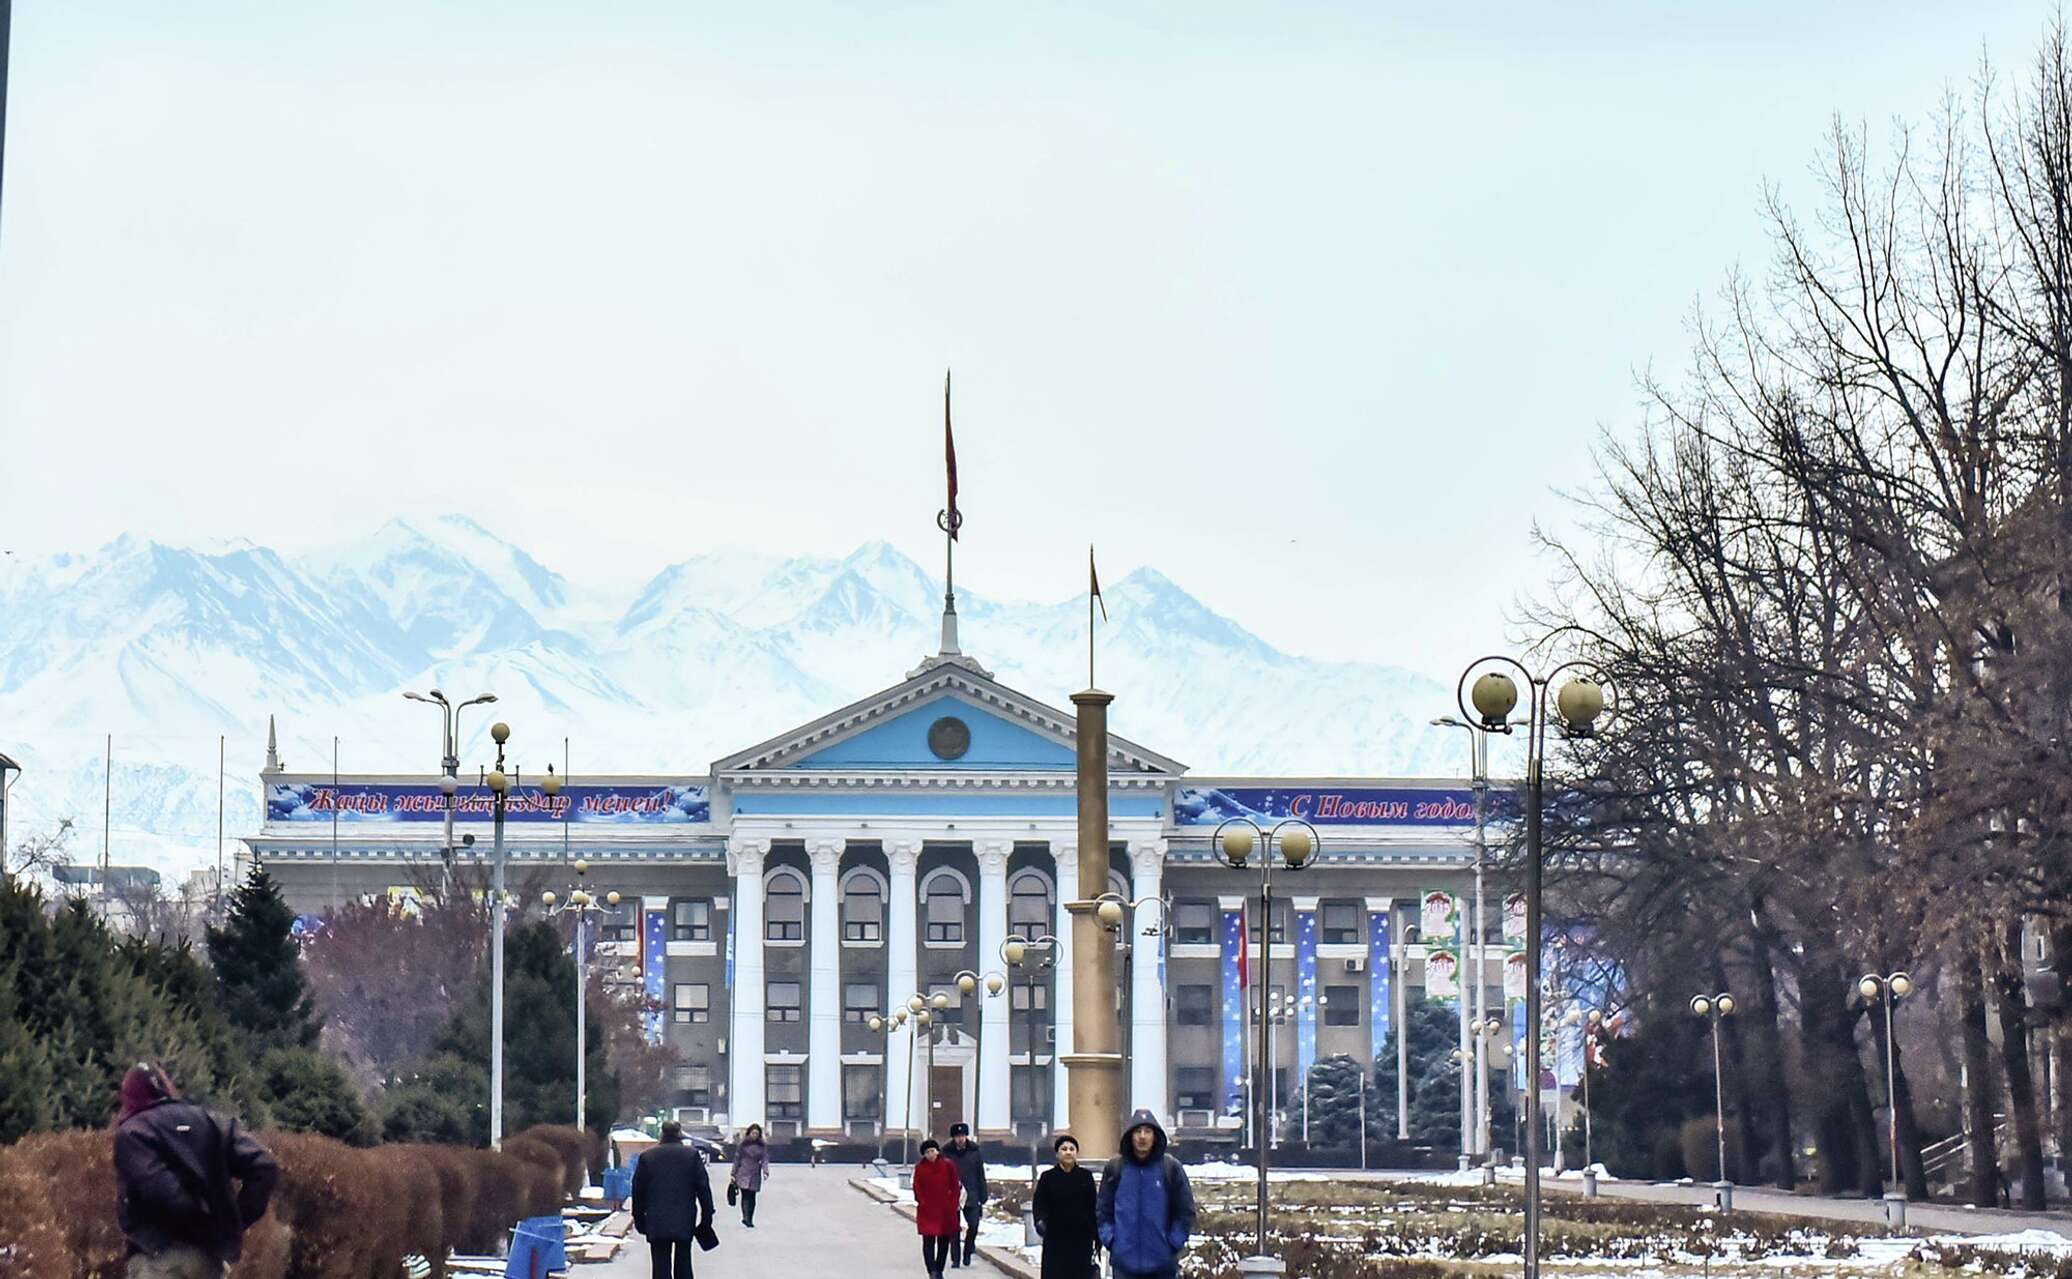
(1233,1014)
(654,966)
(366,803)
(1380,994)
(1305,996)
(1327,805)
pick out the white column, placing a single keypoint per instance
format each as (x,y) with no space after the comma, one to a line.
(824,1012)
(1067,856)
(901,956)
(1147,983)
(745,1045)
(993,1047)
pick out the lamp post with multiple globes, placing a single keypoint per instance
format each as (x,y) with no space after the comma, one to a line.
(581,903)
(1577,704)
(887,1024)
(1888,991)
(500,784)
(1715,1009)
(1295,845)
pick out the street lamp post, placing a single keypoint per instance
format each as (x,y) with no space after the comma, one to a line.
(1014,952)
(1578,703)
(1716,1009)
(581,903)
(8,766)
(449,761)
(1295,841)
(1889,990)
(887,1025)
(1474,1102)
(1591,1025)
(1110,909)
(500,784)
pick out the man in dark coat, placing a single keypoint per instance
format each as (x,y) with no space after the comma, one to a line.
(971,1169)
(175,1165)
(1146,1207)
(670,1191)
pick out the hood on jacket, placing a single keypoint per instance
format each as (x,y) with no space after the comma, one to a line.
(1143,1119)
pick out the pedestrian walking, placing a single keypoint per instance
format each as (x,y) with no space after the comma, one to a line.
(1146,1207)
(971,1169)
(672,1202)
(188,1183)
(751,1168)
(937,1188)
(1064,1204)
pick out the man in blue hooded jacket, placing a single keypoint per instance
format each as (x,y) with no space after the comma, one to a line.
(1146,1207)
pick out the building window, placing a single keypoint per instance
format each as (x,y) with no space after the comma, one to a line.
(1194,1088)
(619,923)
(1280,924)
(859,1001)
(1029,1094)
(784,908)
(695,1083)
(1194,924)
(690,919)
(1341,924)
(786,1092)
(945,911)
(951,1015)
(1342,1006)
(1028,905)
(863,910)
(692,1003)
(1022,993)
(1195,1004)
(784,1001)
(863,1092)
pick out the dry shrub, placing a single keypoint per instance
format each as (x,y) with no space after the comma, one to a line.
(419,1188)
(452,1170)
(77,1170)
(268,1248)
(31,1246)
(542,1153)
(496,1204)
(343,1207)
(579,1150)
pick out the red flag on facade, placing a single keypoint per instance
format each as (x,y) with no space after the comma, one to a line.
(1244,947)
(949,448)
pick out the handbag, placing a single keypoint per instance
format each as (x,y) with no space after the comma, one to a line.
(733,1193)
(707,1237)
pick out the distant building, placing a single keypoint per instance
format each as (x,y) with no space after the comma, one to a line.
(775,903)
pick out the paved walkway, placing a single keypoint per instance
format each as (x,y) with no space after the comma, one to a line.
(808,1222)
(1956,1219)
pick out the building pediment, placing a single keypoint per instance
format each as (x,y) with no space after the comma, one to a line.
(992,729)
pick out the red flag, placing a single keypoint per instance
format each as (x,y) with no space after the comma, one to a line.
(1244,947)
(949,448)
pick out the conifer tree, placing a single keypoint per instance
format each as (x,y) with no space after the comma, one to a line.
(259,968)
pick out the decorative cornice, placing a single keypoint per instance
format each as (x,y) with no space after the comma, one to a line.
(917,779)
(745,854)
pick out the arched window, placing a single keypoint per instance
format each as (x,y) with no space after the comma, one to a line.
(863,907)
(944,897)
(1028,905)
(784,906)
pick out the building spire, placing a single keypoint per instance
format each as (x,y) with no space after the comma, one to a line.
(949,520)
(273,749)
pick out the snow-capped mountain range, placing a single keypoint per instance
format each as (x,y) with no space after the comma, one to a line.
(169,648)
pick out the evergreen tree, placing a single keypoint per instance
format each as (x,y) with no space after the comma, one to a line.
(539,1039)
(310,1092)
(259,968)
(1334,1089)
(1434,1076)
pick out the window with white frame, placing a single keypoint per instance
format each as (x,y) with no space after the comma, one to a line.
(695,1083)
(1028,905)
(863,909)
(863,1092)
(784,907)
(860,1001)
(690,919)
(1341,923)
(786,1092)
(1194,924)
(783,1002)
(1194,1088)
(945,911)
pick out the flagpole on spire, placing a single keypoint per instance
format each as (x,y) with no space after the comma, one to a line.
(949,520)
(1093,594)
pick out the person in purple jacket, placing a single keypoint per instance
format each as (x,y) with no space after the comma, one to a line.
(751,1168)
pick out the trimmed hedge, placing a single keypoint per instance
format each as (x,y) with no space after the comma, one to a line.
(340,1212)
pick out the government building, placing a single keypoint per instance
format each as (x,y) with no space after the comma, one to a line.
(805,884)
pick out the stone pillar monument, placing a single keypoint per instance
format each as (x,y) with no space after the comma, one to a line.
(1094,1067)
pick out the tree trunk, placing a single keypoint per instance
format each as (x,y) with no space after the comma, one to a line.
(1826,1033)
(1770,1062)
(2061,1039)
(2011,1002)
(1870,1172)
(1901,1101)
(1979,1141)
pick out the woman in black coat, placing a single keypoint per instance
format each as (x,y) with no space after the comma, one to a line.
(1064,1205)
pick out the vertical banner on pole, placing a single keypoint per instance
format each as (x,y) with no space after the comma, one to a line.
(654,965)
(1233,934)
(1381,1005)
(1305,988)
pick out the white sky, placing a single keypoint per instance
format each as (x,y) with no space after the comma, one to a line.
(1311,307)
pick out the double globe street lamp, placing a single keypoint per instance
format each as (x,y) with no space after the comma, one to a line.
(1715,1009)
(581,904)
(500,785)
(1578,704)
(1294,844)
(1889,990)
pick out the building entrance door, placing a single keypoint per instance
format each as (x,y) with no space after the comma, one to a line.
(945,1100)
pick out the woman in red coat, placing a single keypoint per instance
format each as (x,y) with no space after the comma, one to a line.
(937,1188)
